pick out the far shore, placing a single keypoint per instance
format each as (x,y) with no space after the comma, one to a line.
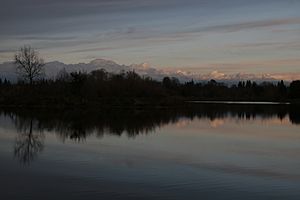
(242,102)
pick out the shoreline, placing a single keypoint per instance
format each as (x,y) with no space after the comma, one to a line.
(241,102)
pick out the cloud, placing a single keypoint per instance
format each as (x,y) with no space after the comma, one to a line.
(233,27)
(48,38)
(267,64)
(93,49)
(295,45)
(7,50)
(147,27)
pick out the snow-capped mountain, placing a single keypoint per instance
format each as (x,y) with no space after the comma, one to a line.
(8,70)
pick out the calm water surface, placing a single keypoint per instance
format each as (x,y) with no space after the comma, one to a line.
(202,152)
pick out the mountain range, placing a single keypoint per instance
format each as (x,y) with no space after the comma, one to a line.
(8,71)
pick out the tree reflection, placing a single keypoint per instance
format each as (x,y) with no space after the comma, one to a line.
(28,142)
(78,124)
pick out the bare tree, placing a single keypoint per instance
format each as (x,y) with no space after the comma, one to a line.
(29,65)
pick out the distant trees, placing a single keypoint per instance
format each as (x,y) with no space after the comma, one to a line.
(170,83)
(295,89)
(4,82)
(129,88)
(29,65)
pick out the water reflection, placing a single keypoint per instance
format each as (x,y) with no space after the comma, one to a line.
(78,124)
(28,142)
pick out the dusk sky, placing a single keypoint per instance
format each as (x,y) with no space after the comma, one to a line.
(231,36)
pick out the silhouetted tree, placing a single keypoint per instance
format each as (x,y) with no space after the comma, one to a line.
(295,89)
(63,76)
(6,82)
(166,82)
(29,65)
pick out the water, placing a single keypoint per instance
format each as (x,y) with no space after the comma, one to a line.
(207,151)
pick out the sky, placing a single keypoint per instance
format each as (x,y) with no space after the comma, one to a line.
(229,36)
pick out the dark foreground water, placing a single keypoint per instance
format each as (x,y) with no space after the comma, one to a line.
(203,152)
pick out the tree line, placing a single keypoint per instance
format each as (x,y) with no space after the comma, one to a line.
(126,88)
(103,88)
